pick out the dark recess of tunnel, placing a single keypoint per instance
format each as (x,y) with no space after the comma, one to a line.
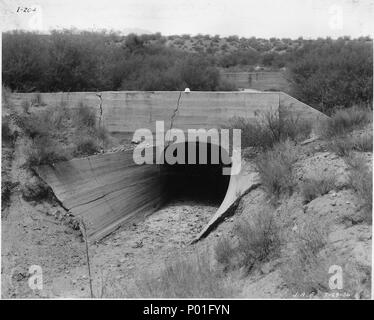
(202,182)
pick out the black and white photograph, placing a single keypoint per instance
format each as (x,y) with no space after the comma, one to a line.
(178,149)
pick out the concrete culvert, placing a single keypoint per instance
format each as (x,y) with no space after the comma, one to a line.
(112,189)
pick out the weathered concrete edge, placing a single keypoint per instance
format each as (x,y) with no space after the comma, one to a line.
(217,220)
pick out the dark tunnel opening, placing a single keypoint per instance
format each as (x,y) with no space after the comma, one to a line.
(203,179)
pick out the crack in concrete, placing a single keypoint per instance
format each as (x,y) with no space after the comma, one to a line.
(100,107)
(175,112)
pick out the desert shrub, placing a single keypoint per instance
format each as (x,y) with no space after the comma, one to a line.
(360,180)
(89,137)
(306,269)
(58,117)
(343,146)
(102,135)
(311,238)
(41,128)
(225,252)
(45,126)
(226,85)
(292,128)
(36,124)
(44,150)
(268,129)
(319,73)
(308,260)
(84,117)
(363,142)
(316,187)
(258,240)
(252,133)
(296,129)
(275,167)
(24,61)
(6,190)
(32,126)
(71,60)
(344,121)
(272,123)
(34,189)
(85,145)
(191,277)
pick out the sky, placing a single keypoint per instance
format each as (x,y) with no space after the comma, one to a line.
(259,18)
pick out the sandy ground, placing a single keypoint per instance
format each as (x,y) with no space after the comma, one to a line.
(31,237)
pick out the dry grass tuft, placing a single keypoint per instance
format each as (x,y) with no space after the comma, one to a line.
(360,180)
(363,143)
(225,253)
(85,145)
(257,241)
(275,167)
(84,117)
(344,121)
(89,138)
(191,277)
(305,271)
(44,151)
(316,187)
(268,129)
(343,146)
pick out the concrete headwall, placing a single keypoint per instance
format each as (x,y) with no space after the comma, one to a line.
(127,111)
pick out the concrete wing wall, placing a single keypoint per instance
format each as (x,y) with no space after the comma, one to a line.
(289,107)
(105,190)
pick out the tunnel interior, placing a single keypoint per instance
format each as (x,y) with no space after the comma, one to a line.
(195,172)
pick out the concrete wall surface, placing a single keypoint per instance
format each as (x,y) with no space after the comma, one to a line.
(127,111)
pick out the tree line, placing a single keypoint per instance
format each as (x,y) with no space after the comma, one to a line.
(324,73)
(98,61)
